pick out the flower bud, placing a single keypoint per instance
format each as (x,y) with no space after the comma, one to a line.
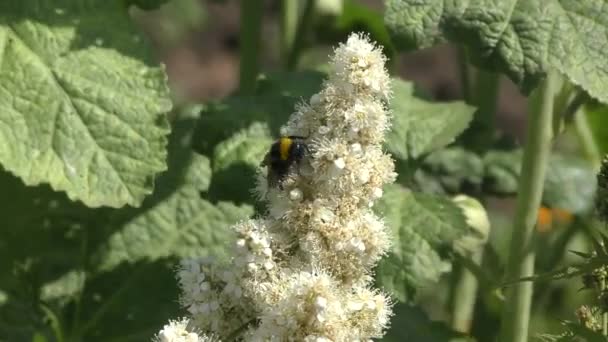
(477,219)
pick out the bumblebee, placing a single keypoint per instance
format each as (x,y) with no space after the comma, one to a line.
(285,154)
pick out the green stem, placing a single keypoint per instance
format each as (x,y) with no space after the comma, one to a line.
(298,44)
(289,26)
(465,295)
(605,314)
(486,99)
(54,322)
(465,75)
(78,299)
(573,106)
(251,23)
(480,135)
(516,310)
(585,137)
(486,96)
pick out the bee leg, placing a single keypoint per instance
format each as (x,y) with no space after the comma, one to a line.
(266,160)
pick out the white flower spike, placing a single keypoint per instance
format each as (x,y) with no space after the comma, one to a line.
(304,272)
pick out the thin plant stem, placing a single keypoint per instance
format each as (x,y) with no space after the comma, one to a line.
(298,44)
(54,322)
(251,23)
(573,106)
(289,26)
(605,314)
(486,96)
(82,280)
(516,309)
(586,140)
(486,99)
(480,135)
(465,295)
(465,75)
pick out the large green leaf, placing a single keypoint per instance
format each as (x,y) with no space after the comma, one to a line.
(410,323)
(420,127)
(235,163)
(424,227)
(182,225)
(502,171)
(132,273)
(41,229)
(117,263)
(80,107)
(521,38)
(42,236)
(453,170)
(175,221)
(247,146)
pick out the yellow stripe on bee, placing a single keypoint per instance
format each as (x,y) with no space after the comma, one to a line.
(284,145)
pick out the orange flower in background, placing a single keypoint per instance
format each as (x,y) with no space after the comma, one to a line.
(549,217)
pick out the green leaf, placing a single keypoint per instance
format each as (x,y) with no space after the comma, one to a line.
(118,264)
(424,228)
(335,25)
(455,169)
(410,323)
(502,171)
(133,299)
(40,229)
(182,224)
(235,162)
(81,107)
(420,127)
(134,267)
(597,115)
(570,183)
(523,39)
(145,4)
(297,85)
(247,146)
(358,17)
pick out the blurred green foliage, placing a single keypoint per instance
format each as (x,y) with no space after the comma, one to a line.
(108,274)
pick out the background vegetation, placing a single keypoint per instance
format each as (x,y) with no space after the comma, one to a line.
(113,166)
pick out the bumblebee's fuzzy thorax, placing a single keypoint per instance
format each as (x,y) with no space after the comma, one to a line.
(285,154)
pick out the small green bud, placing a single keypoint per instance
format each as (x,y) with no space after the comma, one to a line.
(601,199)
(477,219)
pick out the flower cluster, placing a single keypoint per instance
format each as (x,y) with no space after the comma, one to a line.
(304,271)
(177,331)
